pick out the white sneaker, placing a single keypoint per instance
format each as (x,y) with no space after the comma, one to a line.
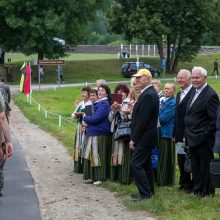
(97,182)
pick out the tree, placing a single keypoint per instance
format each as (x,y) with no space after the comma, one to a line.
(177,23)
(31,26)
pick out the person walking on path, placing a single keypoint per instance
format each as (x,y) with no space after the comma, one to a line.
(144,134)
(215,67)
(200,131)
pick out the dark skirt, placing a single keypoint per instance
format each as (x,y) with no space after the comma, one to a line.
(167,162)
(97,158)
(120,162)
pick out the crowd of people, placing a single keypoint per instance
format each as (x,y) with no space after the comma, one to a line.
(181,126)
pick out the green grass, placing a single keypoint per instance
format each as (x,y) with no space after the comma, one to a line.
(89,67)
(168,202)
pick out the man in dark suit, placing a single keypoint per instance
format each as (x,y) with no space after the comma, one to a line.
(182,98)
(144,134)
(200,130)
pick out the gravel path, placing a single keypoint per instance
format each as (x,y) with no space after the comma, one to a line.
(63,194)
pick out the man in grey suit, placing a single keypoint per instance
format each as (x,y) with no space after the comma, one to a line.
(144,134)
(200,130)
(6,93)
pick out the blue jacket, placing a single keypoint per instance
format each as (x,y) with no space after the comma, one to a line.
(98,123)
(166,117)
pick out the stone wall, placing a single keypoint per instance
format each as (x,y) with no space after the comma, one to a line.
(150,50)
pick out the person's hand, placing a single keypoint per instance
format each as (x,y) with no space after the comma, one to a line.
(79,114)
(84,124)
(115,107)
(9,149)
(131,145)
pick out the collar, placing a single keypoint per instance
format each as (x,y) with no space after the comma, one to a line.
(186,90)
(145,88)
(200,89)
(102,99)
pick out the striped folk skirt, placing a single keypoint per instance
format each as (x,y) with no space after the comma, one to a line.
(78,149)
(167,162)
(120,162)
(97,158)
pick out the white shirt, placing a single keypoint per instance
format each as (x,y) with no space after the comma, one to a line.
(184,92)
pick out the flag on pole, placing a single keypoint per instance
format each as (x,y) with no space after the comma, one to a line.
(27,81)
(22,77)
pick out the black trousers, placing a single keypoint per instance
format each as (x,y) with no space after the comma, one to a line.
(200,160)
(142,171)
(185,181)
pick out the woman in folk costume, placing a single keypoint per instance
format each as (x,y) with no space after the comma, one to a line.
(98,138)
(80,135)
(120,151)
(167,161)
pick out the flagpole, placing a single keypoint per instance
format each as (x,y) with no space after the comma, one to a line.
(30,84)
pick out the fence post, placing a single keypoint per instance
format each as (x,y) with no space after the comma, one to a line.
(45,114)
(148,50)
(60,118)
(39,107)
(31,97)
(154,50)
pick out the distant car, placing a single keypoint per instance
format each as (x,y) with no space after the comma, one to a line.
(130,68)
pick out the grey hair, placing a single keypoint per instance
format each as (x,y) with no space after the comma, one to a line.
(201,70)
(100,82)
(187,72)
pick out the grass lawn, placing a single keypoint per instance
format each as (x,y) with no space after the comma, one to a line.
(89,67)
(168,203)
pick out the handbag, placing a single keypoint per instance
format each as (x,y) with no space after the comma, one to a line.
(155,153)
(123,130)
(187,164)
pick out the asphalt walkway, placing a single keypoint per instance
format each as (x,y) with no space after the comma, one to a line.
(19,201)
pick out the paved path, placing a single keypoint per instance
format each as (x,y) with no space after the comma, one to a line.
(19,201)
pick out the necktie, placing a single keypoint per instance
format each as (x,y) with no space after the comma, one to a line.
(194,98)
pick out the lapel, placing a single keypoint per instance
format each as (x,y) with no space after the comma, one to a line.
(200,96)
(178,99)
(145,91)
(186,97)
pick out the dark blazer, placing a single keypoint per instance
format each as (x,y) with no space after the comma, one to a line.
(201,117)
(217,134)
(144,118)
(179,123)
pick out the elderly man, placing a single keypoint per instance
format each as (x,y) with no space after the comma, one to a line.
(200,130)
(182,98)
(144,134)
(6,147)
